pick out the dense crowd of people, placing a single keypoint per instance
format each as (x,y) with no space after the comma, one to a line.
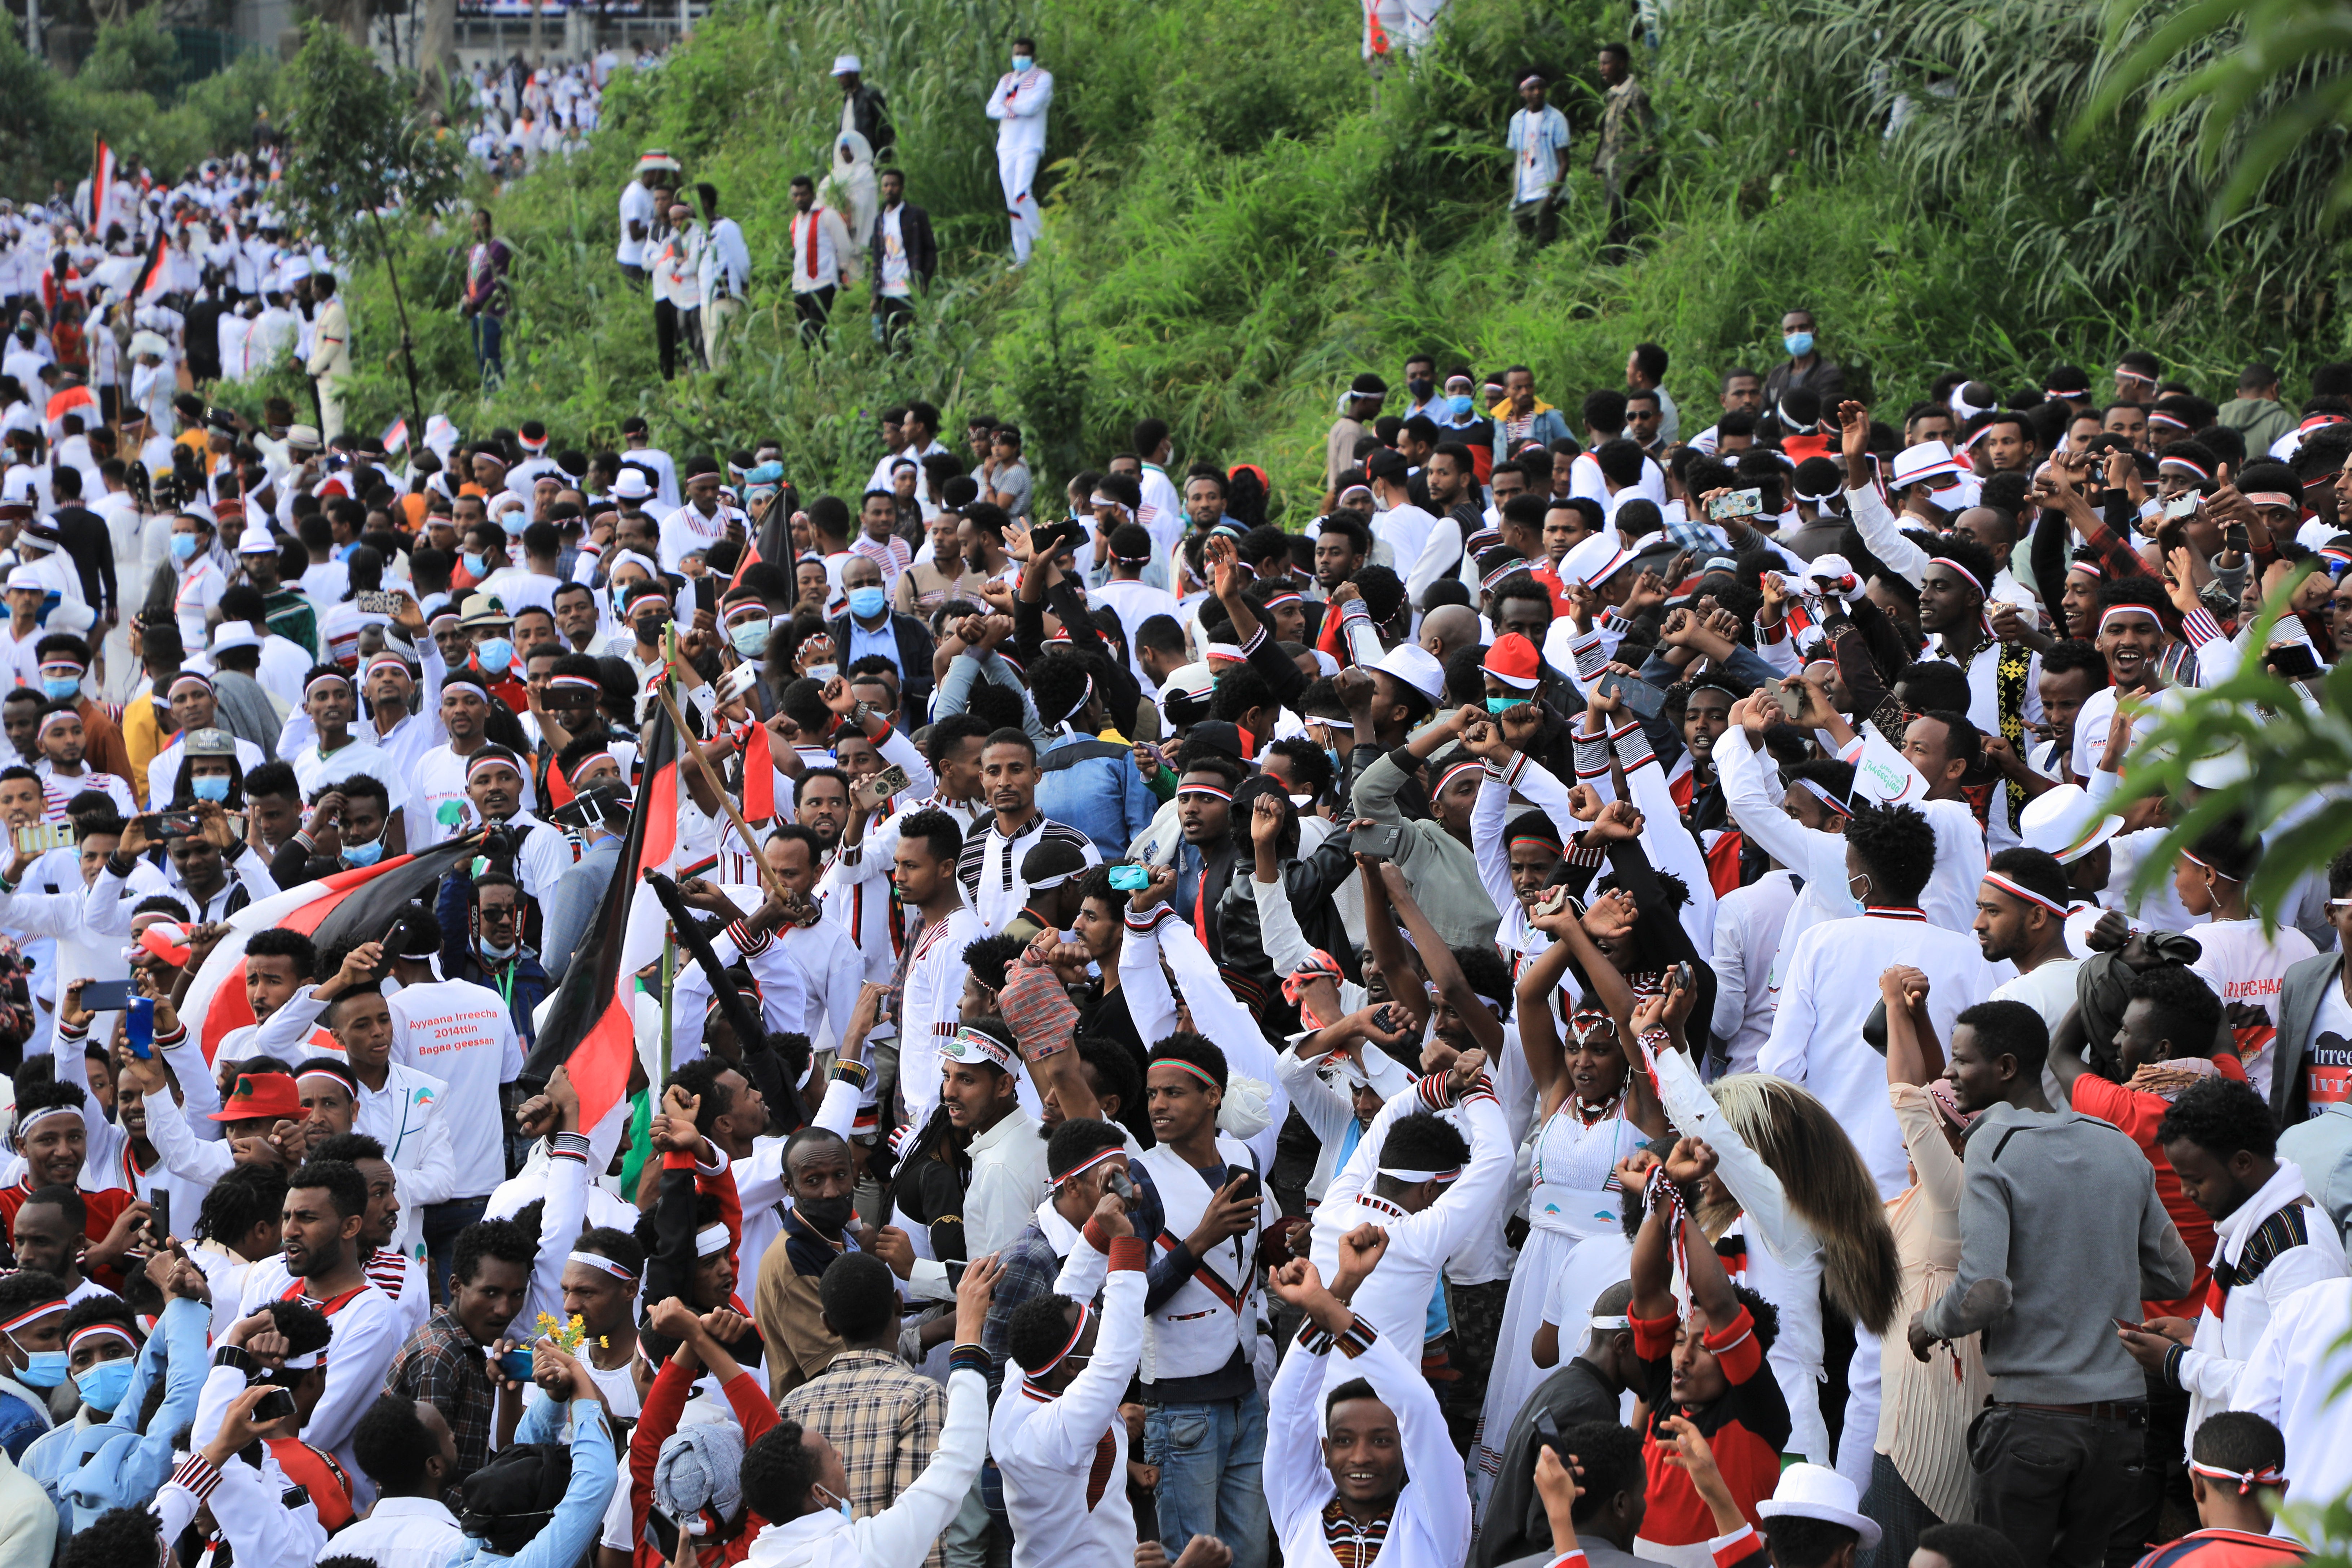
(1604,998)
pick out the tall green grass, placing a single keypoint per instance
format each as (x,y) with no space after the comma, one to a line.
(1235,226)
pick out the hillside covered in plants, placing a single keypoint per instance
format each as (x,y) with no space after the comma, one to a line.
(1239,218)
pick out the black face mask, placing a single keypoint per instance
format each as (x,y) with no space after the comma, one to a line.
(1422,390)
(649,626)
(826,1216)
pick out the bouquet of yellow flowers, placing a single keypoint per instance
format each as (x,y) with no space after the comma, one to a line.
(568,1335)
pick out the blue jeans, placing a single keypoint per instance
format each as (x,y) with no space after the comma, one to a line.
(1212,1460)
(488,331)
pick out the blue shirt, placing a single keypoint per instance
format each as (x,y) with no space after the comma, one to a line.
(884,640)
(1102,797)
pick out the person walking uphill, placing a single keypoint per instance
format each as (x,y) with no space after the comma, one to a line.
(1018,106)
(1627,148)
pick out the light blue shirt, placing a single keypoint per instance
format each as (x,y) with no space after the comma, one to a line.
(1102,797)
(884,641)
(581,1515)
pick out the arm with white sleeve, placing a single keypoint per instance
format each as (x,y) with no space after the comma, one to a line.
(1668,842)
(1884,534)
(902,1535)
(1150,1004)
(1223,1020)
(1062,1434)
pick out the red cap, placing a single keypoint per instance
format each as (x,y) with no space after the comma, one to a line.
(261,1095)
(1514,661)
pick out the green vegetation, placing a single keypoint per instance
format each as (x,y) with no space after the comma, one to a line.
(1235,226)
(131,91)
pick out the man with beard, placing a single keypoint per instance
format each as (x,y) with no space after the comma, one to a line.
(326,1210)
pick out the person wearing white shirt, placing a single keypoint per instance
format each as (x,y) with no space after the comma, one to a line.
(1537,137)
(701,522)
(637,448)
(636,222)
(1018,103)
(1397,1182)
(1362,1470)
(1049,1431)
(405,1447)
(724,270)
(462,1034)
(2270,1240)
(2245,964)
(822,255)
(1400,528)
(1829,983)
(197,581)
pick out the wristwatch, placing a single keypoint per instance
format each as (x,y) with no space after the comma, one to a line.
(860,711)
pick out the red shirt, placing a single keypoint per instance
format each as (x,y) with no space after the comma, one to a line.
(2139,1113)
(2226,1548)
(99,1211)
(664,1401)
(1746,1427)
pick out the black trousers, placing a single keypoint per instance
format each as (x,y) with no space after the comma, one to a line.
(667,324)
(816,309)
(895,314)
(2065,1486)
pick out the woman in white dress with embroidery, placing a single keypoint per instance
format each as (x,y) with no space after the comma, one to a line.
(1593,1110)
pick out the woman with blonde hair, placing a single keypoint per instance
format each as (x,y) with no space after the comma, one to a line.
(1920,1476)
(1795,1186)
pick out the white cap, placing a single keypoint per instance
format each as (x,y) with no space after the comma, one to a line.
(1924,461)
(233,634)
(1417,667)
(257,541)
(2063,822)
(1816,1492)
(632,485)
(1597,559)
(24,577)
(847,65)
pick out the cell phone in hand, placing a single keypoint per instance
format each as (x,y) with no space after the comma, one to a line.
(275,1405)
(1682,976)
(1792,703)
(159,1220)
(2294,660)
(1382,841)
(139,1026)
(107,996)
(1638,695)
(377,603)
(515,1364)
(1738,503)
(2182,505)
(44,835)
(889,781)
(174,824)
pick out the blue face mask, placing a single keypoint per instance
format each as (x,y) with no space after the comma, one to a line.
(750,639)
(477,565)
(1460,404)
(363,854)
(212,787)
(1799,345)
(1022,63)
(60,689)
(102,1387)
(1503,704)
(513,521)
(496,655)
(43,1369)
(183,547)
(1333,752)
(820,673)
(866,603)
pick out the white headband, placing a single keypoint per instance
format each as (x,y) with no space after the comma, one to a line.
(603,1264)
(711,1240)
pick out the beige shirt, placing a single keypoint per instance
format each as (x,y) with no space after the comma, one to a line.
(1923,1407)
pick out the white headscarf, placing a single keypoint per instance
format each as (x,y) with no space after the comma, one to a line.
(853,189)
